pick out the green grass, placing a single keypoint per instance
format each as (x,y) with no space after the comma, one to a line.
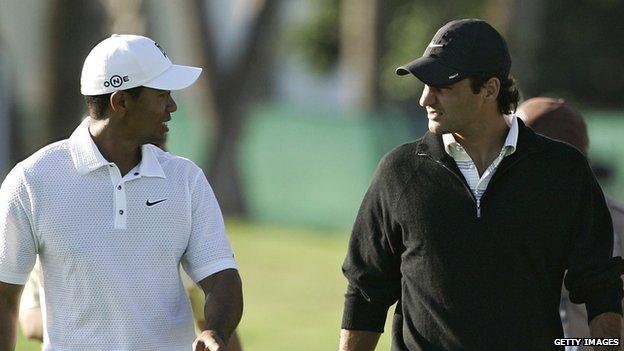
(25,345)
(293,288)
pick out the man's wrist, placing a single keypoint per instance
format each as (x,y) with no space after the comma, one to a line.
(358,340)
(216,334)
(208,339)
(606,325)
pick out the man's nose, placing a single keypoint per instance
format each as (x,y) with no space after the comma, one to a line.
(171,106)
(427,98)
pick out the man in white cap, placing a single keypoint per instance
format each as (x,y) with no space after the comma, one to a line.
(112,217)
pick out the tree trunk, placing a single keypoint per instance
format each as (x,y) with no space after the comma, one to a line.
(233,88)
(359,53)
(68,45)
(7,110)
(124,16)
(520,23)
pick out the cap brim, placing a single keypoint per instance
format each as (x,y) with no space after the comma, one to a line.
(431,72)
(175,77)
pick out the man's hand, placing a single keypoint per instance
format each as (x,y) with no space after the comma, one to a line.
(606,325)
(209,341)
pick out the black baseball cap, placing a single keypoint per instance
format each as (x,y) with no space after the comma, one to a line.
(458,49)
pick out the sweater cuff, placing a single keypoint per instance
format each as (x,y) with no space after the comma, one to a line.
(360,314)
(609,300)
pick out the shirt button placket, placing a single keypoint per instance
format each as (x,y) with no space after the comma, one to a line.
(119,198)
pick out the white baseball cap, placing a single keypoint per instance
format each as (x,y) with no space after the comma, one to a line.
(125,61)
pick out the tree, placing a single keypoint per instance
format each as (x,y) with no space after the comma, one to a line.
(7,114)
(373,38)
(74,25)
(576,58)
(360,36)
(521,22)
(232,88)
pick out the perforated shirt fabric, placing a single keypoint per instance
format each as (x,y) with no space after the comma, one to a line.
(110,246)
(478,183)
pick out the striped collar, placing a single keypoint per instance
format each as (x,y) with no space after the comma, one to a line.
(450,144)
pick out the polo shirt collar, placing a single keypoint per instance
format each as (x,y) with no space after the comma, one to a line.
(431,145)
(87,157)
(149,166)
(511,141)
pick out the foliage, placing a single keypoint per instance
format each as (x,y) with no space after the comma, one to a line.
(578,48)
(406,28)
(581,51)
(316,40)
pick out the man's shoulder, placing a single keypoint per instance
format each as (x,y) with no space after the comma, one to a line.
(398,165)
(559,150)
(48,156)
(36,166)
(169,161)
(401,155)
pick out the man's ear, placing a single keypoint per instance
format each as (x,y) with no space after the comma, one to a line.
(118,101)
(492,87)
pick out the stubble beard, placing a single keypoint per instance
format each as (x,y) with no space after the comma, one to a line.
(436,128)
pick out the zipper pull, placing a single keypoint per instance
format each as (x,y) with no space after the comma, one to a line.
(478,208)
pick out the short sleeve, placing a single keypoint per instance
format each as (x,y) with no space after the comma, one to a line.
(17,242)
(208,249)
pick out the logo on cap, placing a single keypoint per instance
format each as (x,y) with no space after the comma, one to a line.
(454,76)
(116,81)
(161,49)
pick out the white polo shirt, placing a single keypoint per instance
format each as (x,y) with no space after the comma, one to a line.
(110,246)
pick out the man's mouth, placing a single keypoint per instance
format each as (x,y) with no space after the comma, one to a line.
(431,114)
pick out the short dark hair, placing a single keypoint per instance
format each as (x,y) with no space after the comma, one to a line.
(98,104)
(508,95)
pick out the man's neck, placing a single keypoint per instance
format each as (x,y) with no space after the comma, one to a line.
(484,142)
(116,148)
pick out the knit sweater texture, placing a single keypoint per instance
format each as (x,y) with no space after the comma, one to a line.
(479,281)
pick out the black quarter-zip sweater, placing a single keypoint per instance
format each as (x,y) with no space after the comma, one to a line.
(491,281)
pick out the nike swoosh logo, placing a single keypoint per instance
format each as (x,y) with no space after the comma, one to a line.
(454,76)
(148,203)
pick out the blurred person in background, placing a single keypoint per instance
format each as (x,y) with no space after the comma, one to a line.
(30,318)
(31,321)
(113,217)
(556,119)
(464,227)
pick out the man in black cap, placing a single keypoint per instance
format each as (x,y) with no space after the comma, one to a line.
(472,227)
